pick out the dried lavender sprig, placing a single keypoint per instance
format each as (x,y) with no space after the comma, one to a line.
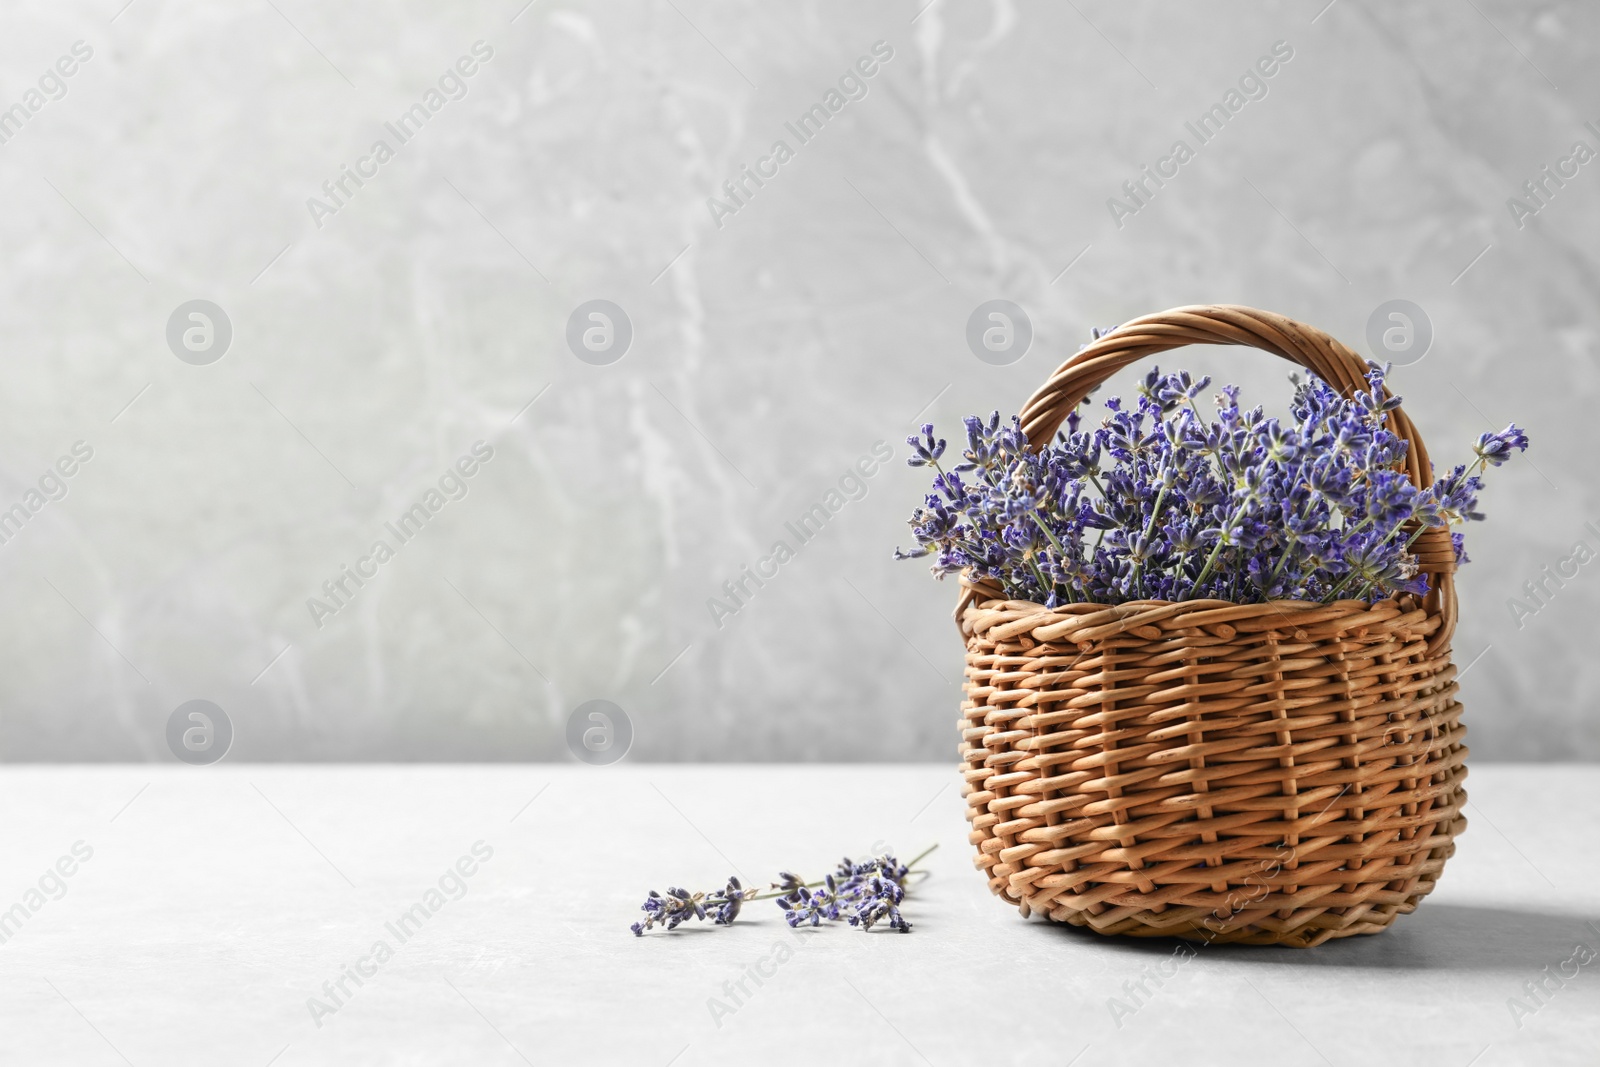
(678,905)
(862,894)
(793,881)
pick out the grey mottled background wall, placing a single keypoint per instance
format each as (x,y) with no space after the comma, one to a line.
(377,337)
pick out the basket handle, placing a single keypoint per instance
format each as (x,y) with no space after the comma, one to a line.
(1233,324)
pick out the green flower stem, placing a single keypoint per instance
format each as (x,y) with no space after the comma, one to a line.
(1062,552)
(1034,515)
(1211,560)
(1366,587)
(1299,472)
(1037,573)
(1155,512)
(1342,582)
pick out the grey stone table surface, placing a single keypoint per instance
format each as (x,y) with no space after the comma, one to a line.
(174,915)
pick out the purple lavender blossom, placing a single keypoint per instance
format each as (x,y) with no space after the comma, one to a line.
(679,906)
(862,894)
(1495,448)
(1161,502)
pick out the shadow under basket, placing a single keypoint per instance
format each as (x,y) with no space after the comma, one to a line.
(1280,773)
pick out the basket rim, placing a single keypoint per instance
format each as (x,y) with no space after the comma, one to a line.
(1088,622)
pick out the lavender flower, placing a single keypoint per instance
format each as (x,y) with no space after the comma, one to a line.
(926,450)
(861,894)
(1162,503)
(679,905)
(1494,449)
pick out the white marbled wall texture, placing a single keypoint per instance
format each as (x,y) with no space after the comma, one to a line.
(394,216)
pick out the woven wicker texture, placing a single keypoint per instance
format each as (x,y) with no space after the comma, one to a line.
(1279,773)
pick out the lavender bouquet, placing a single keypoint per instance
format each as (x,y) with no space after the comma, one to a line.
(1162,503)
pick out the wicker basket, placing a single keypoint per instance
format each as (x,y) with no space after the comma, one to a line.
(1279,773)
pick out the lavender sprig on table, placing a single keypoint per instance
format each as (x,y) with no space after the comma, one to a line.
(861,894)
(1161,503)
(679,905)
